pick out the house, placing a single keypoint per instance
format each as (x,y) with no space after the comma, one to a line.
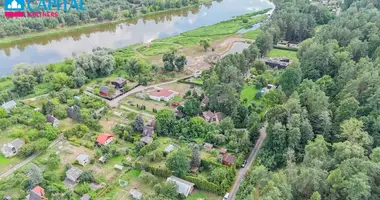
(183,187)
(72,176)
(8,106)
(119,82)
(212,116)
(135,194)
(151,123)
(70,111)
(85,197)
(228,159)
(280,63)
(83,159)
(104,91)
(162,95)
(146,139)
(169,148)
(208,146)
(119,167)
(222,150)
(205,101)
(147,131)
(103,159)
(104,139)
(37,193)
(51,119)
(12,148)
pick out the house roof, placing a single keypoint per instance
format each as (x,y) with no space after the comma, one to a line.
(9,104)
(74,173)
(85,197)
(50,118)
(205,100)
(82,157)
(146,139)
(208,145)
(169,148)
(135,193)
(223,150)
(183,186)
(36,193)
(102,138)
(229,158)
(147,131)
(17,143)
(120,80)
(162,93)
(151,122)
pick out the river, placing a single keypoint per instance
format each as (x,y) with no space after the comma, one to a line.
(55,48)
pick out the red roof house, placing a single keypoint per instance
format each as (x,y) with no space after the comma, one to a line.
(104,139)
(37,193)
(163,94)
(228,159)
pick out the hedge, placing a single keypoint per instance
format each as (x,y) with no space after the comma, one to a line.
(207,164)
(162,172)
(285,48)
(205,185)
(189,82)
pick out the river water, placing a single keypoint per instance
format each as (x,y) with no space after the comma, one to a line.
(55,48)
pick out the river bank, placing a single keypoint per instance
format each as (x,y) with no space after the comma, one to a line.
(68,29)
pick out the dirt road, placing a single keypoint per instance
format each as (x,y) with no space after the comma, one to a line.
(250,160)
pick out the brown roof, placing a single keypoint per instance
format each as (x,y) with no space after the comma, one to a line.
(205,100)
(229,158)
(162,93)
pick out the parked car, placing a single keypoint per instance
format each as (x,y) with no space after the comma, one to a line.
(244,163)
(226,196)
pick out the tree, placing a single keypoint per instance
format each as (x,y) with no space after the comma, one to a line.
(24,84)
(138,124)
(260,67)
(352,131)
(164,122)
(53,161)
(48,108)
(264,42)
(347,109)
(178,163)
(61,80)
(315,196)
(180,62)
(290,79)
(167,190)
(3,113)
(79,77)
(77,116)
(192,107)
(87,177)
(34,174)
(195,157)
(148,178)
(205,43)
(37,120)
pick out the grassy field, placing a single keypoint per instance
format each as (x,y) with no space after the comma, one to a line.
(5,83)
(283,53)
(217,31)
(251,34)
(249,92)
(157,49)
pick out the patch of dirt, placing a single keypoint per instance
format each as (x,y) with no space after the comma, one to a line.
(70,152)
(108,123)
(181,88)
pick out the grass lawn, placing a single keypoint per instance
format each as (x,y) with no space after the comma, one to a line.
(157,49)
(8,163)
(251,34)
(177,99)
(202,194)
(283,53)
(5,84)
(131,175)
(249,92)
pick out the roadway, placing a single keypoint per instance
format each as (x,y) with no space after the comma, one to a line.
(251,158)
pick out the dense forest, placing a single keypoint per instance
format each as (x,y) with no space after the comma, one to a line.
(96,11)
(323,136)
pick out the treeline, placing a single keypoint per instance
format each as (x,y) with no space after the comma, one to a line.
(292,21)
(322,139)
(96,10)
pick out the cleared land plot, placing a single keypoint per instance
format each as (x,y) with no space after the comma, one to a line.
(158,48)
(283,53)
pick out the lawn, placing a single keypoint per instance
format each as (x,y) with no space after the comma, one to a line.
(131,175)
(7,163)
(283,53)
(5,83)
(196,194)
(251,34)
(249,92)
(157,49)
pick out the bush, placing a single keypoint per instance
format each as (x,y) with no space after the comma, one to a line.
(245,20)
(205,185)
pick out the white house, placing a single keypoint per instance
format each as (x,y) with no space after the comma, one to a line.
(135,194)
(8,106)
(12,148)
(162,95)
(183,187)
(83,159)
